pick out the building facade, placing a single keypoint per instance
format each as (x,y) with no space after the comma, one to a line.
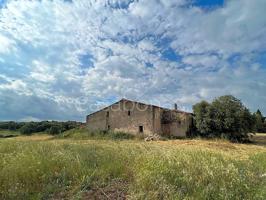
(139,118)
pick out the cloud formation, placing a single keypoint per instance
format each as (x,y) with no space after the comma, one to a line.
(62,59)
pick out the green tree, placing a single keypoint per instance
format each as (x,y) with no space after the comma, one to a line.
(259,121)
(202,119)
(264,126)
(55,129)
(225,116)
(28,128)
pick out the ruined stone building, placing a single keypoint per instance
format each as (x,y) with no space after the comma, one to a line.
(139,118)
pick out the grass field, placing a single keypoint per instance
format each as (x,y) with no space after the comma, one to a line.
(7,133)
(45,167)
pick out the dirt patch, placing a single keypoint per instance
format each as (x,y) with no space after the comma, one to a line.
(117,189)
(222,146)
(259,139)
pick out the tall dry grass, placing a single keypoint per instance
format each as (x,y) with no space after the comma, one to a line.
(182,169)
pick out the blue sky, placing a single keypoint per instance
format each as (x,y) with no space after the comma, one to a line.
(60,60)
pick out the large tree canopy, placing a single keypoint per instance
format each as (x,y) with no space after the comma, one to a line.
(225,116)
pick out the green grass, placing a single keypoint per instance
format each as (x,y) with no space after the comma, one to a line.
(8,133)
(181,169)
(83,133)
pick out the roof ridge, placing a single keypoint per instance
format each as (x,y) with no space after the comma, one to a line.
(134,101)
(154,105)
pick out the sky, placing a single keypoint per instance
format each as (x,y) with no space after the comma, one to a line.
(62,59)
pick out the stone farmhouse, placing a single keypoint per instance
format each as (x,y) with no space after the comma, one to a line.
(139,118)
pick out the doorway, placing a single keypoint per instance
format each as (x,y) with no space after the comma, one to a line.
(141,129)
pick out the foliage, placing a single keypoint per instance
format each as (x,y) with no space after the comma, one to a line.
(11,125)
(69,169)
(84,133)
(28,128)
(51,127)
(55,129)
(202,117)
(260,122)
(226,117)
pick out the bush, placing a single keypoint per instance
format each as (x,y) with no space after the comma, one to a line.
(260,122)
(55,129)
(84,133)
(28,128)
(11,125)
(120,135)
(51,127)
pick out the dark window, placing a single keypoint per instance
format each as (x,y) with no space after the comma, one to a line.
(141,129)
(107,114)
(108,127)
(128,113)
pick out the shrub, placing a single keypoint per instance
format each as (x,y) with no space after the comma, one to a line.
(11,125)
(260,122)
(28,128)
(51,127)
(55,129)
(84,133)
(120,135)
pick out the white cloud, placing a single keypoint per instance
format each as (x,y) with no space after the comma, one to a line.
(202,60)
(235,28)
(6,45)
(42,72)
(43,42)
(14,85)
(29,119)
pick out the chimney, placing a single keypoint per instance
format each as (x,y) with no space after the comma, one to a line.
(175,106)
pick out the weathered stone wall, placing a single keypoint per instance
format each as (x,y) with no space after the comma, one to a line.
(140,115)
(128,116)
(97,121)
(179,125)
(119,118)
(157,120)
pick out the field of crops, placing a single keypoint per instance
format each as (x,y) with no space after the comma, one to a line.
(44,167)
